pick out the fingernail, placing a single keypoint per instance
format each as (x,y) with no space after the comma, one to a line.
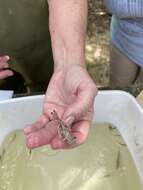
(69,120)
(7,57)
(6,66)
(10,74)
(27,130)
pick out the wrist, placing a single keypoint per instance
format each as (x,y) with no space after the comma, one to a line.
(69,61)
(58,67)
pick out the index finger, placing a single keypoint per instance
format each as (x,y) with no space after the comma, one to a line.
(39,124)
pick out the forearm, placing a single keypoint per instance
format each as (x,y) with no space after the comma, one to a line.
(125,8)
(68,20)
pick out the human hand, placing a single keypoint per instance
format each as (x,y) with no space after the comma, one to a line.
(71,93)
(4,67)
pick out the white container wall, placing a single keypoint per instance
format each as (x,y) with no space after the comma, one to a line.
(115,107)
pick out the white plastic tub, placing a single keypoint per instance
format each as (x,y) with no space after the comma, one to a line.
(5,94)
(115,107)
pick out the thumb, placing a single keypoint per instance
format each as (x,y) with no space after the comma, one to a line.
(82,104)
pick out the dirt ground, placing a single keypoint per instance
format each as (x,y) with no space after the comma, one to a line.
(97,46)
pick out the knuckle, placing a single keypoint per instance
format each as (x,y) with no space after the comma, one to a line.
(2,64)
(47,113)
(2,59)
(94,89)
(42,120)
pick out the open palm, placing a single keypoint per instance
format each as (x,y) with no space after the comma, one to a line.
(71,94)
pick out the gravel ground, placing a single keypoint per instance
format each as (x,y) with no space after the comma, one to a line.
(97,46)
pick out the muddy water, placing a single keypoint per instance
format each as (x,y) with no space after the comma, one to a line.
(102,163)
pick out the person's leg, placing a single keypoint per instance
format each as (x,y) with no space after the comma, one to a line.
(123,71)
(140,77)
